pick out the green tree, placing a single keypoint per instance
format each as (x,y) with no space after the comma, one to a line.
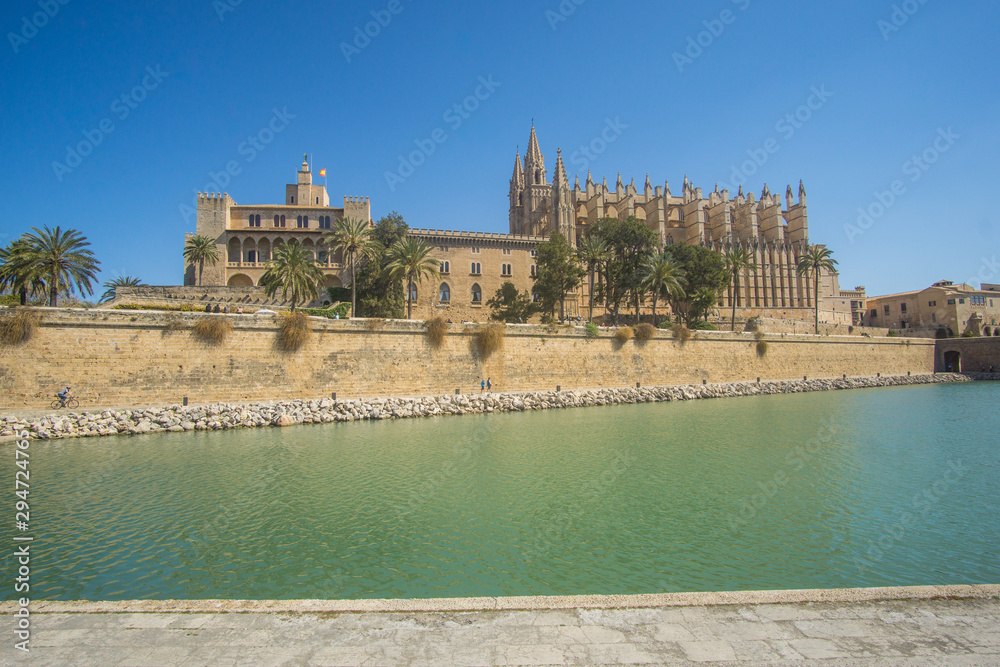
(703,269)
(379,293)
(558,273)
(352,237)
(112,285)
(292,269)
(662,276)
(593,253)
(630,242)
(200,249)
(63,259)
(738,261)
(18,273)
(815,260)
(509,305)
(410,261)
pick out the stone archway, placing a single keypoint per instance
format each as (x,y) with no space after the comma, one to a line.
(953,361)
(240,280)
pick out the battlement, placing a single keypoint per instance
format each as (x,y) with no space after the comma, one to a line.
(356,200)
(448,233)
(215,199)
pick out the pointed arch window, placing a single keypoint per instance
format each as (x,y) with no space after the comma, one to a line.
(444,293)
(413,292)
(477,293)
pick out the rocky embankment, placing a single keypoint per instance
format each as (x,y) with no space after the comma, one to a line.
(288,413)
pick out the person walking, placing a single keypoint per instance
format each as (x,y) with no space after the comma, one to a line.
(489,384)
(482,386)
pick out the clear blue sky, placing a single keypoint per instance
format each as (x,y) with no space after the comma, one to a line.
(200,77)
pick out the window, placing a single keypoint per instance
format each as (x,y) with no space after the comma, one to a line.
(324,222)
(413,292)
(444,293)
(275,221)
(445,267)
(886,310)
(534,270)
(951,302)
(505,270)
(506,251)
(477,293)
(475,251)
(535,298)
(874,312)
(977,300)
(444,248)
(534,253)
(670,239)
(303,222)
(317,200)
(902,307)
(291,199)
(476,268)
(254,221)
(323,257)
(251,256)
(934,317)
(961,301)
(279,221)
(932,303)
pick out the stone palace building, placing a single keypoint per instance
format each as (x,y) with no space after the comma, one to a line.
(474,264)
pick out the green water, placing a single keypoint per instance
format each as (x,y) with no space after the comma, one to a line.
(832,489)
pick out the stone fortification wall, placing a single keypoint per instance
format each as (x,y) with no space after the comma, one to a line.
(119,358)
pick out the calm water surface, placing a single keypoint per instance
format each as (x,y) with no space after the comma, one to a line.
(832,489)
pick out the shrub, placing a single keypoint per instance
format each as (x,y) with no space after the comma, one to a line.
(665,324)
(293,331)
(681,333)
(761,344)
(18,328)
(644,332)
(489,339)
(592,330)
(212,330)
(965,334)
(702,325)
(623,335)
(892,334)
(181,307)
(375,323)
(437,329)
(341,309)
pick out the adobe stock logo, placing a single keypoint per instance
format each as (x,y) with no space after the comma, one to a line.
(31,25)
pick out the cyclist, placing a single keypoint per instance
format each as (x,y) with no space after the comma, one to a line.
(64,395)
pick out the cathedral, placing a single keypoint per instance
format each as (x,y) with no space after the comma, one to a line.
(774,234)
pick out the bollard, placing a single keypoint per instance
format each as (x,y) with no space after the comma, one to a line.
(185,401)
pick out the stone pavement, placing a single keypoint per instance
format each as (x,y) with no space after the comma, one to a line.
(922,630)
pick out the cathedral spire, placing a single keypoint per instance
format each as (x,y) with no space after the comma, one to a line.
(619,186)
(534,163)
(648,188)
(576,186)
(559,178)
(518,177)
(590,180)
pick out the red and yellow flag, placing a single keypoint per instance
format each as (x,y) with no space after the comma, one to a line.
(322,172)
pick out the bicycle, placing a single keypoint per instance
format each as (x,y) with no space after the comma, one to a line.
(70,403)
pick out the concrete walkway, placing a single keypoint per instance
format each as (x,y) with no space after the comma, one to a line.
(911,626)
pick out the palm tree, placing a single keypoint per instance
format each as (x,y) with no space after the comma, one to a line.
(410,260)
(112,286)
(292,269)
(63,259)
(662,275)
(200,249)
(352,237)
(17,272)
(593,251)
(816,259)
(737,260)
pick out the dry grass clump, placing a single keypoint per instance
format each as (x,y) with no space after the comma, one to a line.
(375,323)
(761,344)
(293,332)
(489,339)
(19,328)
(212,330)
(623,335)
(681,333)
(437,329)
(644,332)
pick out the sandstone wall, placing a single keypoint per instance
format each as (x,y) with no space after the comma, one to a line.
(117,358)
